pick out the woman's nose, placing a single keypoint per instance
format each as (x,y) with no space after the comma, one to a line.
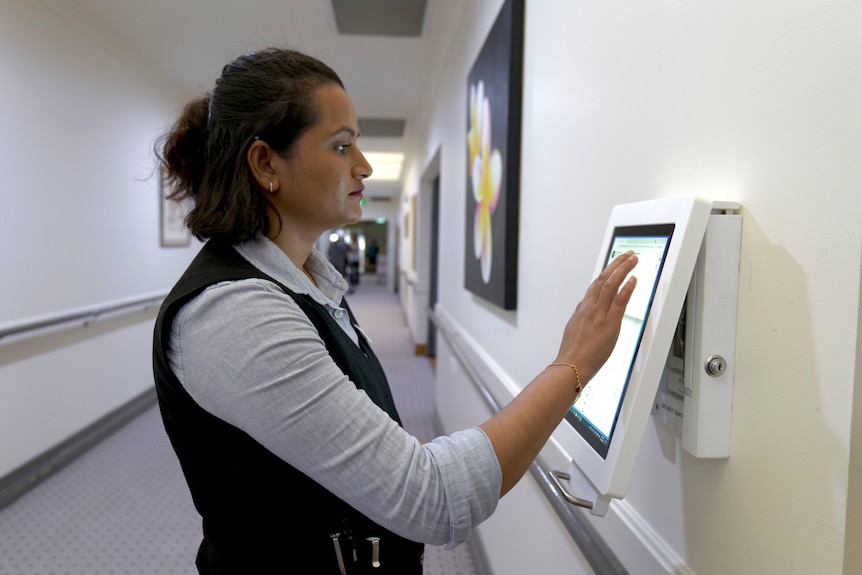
(363,168)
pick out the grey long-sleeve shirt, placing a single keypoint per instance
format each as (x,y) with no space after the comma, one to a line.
(246,353)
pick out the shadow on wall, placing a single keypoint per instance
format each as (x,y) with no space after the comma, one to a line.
(784,456)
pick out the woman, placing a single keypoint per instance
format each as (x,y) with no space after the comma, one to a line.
(275,404)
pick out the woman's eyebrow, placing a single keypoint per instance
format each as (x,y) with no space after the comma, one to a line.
(353,133)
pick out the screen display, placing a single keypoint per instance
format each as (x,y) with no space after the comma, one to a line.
(595,413)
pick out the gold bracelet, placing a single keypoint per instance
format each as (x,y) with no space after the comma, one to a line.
(578,387)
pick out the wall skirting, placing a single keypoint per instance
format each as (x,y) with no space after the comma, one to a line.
(20,481)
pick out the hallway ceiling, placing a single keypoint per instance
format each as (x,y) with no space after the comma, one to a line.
(185,43)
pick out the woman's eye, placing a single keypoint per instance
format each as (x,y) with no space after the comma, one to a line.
(341,148)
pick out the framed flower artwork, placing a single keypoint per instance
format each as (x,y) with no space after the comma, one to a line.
(493,161)
(172,228)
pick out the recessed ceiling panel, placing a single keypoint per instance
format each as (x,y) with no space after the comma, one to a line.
(380,17)
(380,128)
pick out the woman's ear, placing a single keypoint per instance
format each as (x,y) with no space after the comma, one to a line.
(261,159)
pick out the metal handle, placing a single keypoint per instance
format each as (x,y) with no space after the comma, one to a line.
(335,542)
(375,551)
(556,476)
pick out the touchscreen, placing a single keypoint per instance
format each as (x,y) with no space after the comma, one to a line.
(595,413)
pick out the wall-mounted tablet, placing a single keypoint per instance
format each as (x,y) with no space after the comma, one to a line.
(597,411)
(602,431)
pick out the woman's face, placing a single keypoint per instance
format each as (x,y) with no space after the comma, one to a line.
(321,177)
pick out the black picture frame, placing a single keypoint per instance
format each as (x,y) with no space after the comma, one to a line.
(494,87)
(173,232)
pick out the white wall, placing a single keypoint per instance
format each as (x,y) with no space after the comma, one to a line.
(623,101)
(79,224)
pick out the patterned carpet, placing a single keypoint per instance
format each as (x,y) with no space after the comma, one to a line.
(122,508)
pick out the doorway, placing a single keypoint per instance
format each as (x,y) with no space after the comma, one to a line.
(432,288)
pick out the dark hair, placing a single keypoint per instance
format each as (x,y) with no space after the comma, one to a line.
(268,94)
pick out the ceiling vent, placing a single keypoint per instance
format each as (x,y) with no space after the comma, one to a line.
(380,17)
(379,128)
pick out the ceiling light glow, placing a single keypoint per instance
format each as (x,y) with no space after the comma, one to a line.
(386,166)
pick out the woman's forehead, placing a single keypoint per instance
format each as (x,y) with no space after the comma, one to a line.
(335,111)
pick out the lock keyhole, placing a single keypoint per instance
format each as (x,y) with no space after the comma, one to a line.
(715,365)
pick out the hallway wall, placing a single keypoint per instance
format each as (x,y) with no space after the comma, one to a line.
(79,224)
(624,101)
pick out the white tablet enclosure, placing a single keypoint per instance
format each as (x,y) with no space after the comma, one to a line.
(602,431)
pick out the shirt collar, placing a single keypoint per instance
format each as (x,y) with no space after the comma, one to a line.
(265,255)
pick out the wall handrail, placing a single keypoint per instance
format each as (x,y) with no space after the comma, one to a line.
(84,316)
(595,549)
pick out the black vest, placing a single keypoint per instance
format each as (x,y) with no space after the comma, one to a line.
(260,514)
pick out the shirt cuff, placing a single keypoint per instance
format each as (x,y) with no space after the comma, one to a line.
(472,473)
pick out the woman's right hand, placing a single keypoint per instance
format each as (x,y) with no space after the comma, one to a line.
(522,426)
(592,330)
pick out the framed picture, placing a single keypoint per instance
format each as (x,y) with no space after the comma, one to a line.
(172,214)
(414,232)
(493,160)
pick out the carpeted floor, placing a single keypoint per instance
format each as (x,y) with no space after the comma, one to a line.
(123,508)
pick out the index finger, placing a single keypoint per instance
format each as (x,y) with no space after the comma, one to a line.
(608,276)
(617,271)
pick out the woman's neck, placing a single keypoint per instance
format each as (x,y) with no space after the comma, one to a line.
(296,248)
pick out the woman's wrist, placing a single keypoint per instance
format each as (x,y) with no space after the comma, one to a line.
(579,384)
